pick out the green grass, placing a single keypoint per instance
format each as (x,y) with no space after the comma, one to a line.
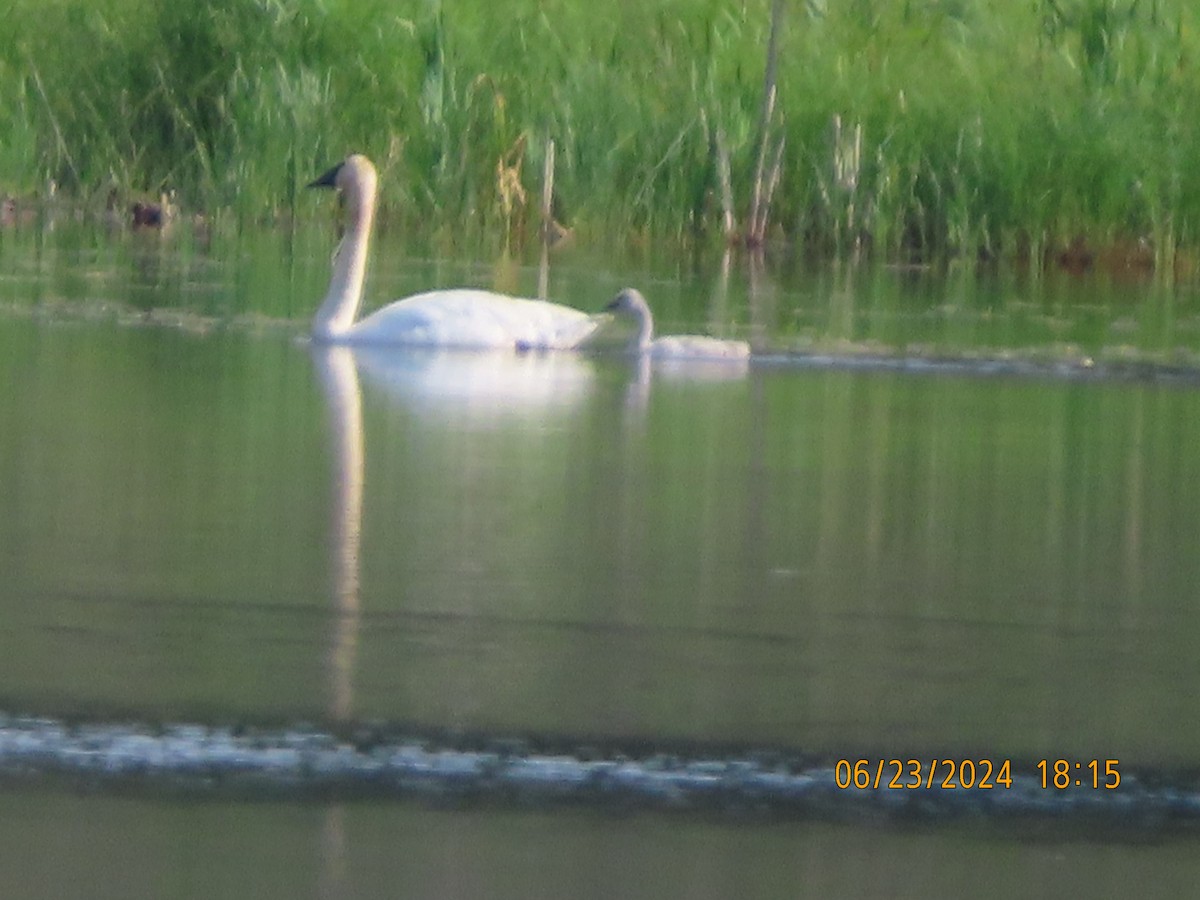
(965,127)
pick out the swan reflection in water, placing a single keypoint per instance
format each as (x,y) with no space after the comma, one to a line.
(482,389)
(339,382)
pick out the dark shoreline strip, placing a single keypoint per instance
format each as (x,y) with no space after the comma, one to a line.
(302,763)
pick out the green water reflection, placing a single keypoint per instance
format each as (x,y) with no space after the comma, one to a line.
(820,559)
(204,519)
(74,847)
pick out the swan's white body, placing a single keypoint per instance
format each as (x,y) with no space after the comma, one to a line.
(464,318)
(631,304)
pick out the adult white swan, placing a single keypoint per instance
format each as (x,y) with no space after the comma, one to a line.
(630,304)
(463,317)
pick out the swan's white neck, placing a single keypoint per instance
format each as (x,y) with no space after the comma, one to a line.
(645,332)
(339,309)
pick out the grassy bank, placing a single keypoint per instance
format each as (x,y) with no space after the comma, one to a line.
(915,130)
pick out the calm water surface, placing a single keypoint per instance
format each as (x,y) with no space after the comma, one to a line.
(204,519)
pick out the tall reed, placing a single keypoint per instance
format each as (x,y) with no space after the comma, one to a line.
(915,130)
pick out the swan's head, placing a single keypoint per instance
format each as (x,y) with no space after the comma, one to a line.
(354,177)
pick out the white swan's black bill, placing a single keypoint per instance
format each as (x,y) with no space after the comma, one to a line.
(329,179)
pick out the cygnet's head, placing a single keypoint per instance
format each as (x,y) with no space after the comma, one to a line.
(629,301)
(632,306)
